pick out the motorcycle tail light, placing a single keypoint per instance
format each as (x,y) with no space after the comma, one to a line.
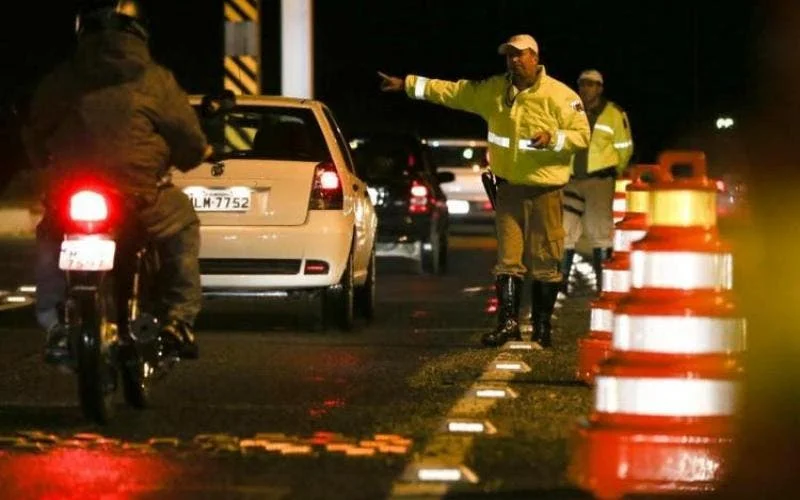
(88,206)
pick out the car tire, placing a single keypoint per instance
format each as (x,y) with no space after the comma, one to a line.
(431,260)
(444,254)
(365,294)
(338,301)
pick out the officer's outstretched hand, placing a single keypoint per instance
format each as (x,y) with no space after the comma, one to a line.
(391,83)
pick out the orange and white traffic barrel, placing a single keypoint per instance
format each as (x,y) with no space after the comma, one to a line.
(616,274)
(620,203)
(666,398)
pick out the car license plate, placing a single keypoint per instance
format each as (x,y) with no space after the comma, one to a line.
(87,254)
(220,200)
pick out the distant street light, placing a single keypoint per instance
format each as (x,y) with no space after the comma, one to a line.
(724,122)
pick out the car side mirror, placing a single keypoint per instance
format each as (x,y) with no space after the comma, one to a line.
(445,177)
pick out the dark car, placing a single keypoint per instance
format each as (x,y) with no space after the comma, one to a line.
(406,192)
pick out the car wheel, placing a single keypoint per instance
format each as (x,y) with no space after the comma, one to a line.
(338,300)
(365,294)
(431,258)
(443,254)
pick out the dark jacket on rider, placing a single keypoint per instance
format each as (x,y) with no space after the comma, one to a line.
(111,111)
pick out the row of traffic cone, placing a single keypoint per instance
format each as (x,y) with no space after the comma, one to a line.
(665,344)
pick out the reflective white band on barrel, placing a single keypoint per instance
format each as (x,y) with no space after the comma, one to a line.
(619,204)
(681,270)
(601,320)
(667,397)
(678,334)
(616,280)
(419,87)
(624,237)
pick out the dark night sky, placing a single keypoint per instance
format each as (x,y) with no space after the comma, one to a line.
(672,64)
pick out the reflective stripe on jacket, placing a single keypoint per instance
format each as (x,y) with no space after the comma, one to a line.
(611,144)
(548,106)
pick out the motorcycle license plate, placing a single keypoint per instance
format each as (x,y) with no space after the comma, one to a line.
(89,254)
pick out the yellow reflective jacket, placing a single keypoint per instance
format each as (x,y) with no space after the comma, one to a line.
(548,106)
(611,144)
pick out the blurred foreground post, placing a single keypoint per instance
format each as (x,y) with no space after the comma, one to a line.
(768,449)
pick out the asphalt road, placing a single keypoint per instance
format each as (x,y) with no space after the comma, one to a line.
(277,409)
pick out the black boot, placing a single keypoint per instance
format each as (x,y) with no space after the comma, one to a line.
(508,289)
(56,349)
(600,255)
(178,339)
(566,269)
(544,302)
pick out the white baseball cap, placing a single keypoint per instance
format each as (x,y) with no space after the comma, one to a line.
(592,75)
(519,42)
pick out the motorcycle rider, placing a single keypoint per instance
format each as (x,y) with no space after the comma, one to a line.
(110,112)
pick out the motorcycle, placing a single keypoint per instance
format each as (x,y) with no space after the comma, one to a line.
(111,310)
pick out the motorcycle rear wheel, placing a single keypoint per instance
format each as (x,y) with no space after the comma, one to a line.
(140,359)
(95,342)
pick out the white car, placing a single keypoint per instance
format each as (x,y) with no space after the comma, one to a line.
(465,158)
(282,210)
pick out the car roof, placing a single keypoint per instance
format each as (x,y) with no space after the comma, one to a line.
(455,141)
(267,100)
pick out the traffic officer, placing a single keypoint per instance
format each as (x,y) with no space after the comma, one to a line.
(589,196)
(536,124)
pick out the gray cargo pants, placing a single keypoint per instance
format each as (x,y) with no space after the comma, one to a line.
(588,208)
(175,230)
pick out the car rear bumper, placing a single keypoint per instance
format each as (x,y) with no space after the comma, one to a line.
(470,210)
(403,228)
(264,258)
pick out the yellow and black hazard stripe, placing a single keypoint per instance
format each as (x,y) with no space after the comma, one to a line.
(241,10)
(241,70)
(241,74)
(239,139)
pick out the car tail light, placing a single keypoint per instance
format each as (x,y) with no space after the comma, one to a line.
(419,199)
(326,191)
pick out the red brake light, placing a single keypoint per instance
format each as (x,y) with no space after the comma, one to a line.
(419,191)
(329,180)
(88,206)
(418,202)
(326,191)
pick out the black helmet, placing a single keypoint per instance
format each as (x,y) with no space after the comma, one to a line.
(120,15)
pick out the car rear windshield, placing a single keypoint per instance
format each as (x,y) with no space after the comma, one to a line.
(267,132)
(458,156)
(381,160)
